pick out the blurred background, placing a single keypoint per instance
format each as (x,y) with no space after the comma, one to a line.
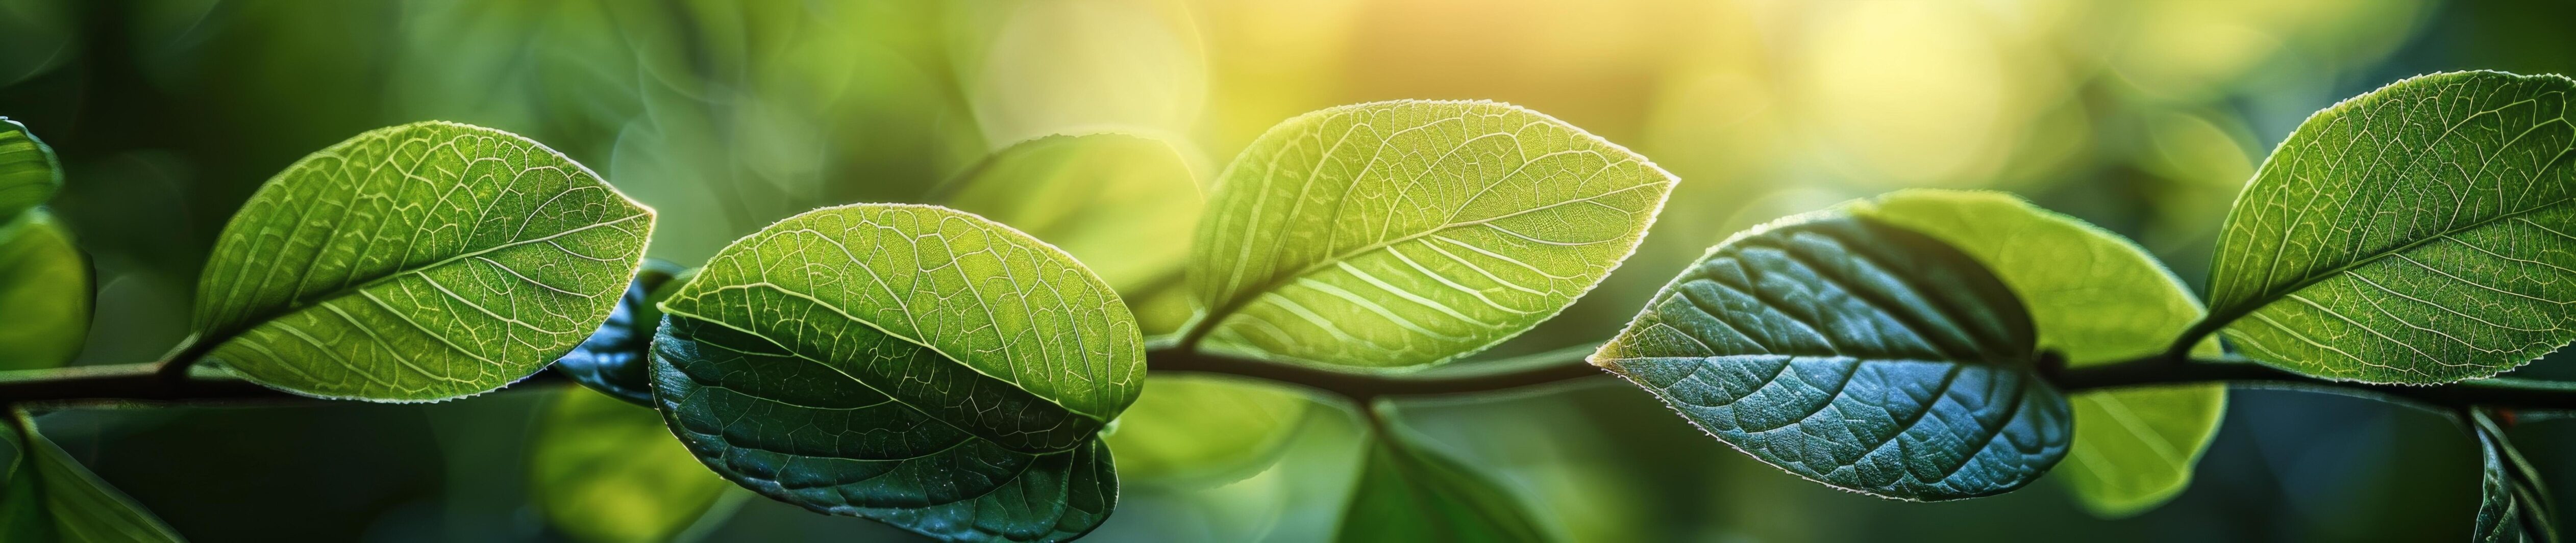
(2143,117)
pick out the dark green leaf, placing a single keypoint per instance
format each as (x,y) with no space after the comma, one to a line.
(1853,353)
(49,497)
(2515,506)
(911,364)
(612,360)
(421,262)
(29,173)
(44,294)
(2134,447)
(607,472)
(1408,492)
(1405,233)
(2422,233)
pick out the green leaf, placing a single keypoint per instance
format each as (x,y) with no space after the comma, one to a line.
(50,497)
(2514,507)
(1406,233)
(607,472)
(29,173)
(421,262)
(911,364)
(1114,201)
(2134,447)
(1853,353)
(1204,431)
(1408,492)
(44,294)
(612,361)
(2421,233)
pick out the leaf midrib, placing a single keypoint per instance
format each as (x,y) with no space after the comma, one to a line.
(2266,297)
(303,303)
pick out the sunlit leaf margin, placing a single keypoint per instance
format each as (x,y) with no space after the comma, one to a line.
(2421,233)
(1853,353)
(1408,233)
(2134,447)
(915,365)
(421,262)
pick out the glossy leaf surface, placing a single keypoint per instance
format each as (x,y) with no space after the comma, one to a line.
(2421,233)
(1406,233)
(421,262)
(2134,447)
(1853,353)
(915,365)
(44,294)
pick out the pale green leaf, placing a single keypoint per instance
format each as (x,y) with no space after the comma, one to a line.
(421,262)
(2134,447)
(49,497)
(1121,204)
(604,471)
(1203,431)
(1406,233)
(612,360)
(2421,233)
(29,173)
(44,294)
(911,364)
(1853,353)
(1409,492)
(2513,507)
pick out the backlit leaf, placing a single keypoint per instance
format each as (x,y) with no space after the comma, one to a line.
(2134,447)
(1853,353)
(2514,506)
(2421,233)
(49,497)
(44,294)
(606,472)
(911,364)
(612,360)
(1405,233)
(29,173)
(421,262)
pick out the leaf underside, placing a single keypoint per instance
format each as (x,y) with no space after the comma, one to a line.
(613,360)
(421,262)
(1406,233)
(2421,233)
(1852,353)
(910,364)
(2514,507)
(1407,493)
(50,497)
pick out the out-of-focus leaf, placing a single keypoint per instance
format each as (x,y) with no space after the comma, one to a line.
(2134,447)
(916,365)
(1407,233)
(44,294)
(29,173)
(1203,431)
(421,262)
(2514,506)
(1121,204)
(606,472)
(2421,233)
(1853,353)
(1408,492)
(35,37)
(49,497)
(613,360)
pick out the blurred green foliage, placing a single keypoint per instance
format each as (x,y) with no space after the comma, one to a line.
(2145,118)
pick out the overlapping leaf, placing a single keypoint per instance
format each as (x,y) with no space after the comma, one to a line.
(415,263)
(44,294)
(29,173)
(613,360)
(49,497)
(1853,353)
(916,365)
(2514,506)
(2095,298)
(1405,233)
(2421,233)
(606,472)
(1122,204)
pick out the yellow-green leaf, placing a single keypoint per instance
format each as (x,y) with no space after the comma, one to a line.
(604,471)
(44,294)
